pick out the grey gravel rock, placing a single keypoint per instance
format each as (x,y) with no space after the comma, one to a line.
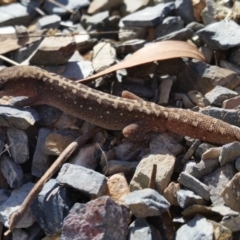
(16,117)
(13,203)
(198,229)
(98,19)
(194,184)
(187,198)
(48,21)
(104,55)
(19,145)
(130,46)
(221,35)
(50,210)
(140,229)
(19,234)
(181,35)
(149,16)
(202,168)
(230,66)
(227,115)
(4,195)
(237,164)
(146,202)
(12,172)
(184,9)
(168,25)
(229,153)
(41,161)
(216,182)
(101,218)
(18,14)
(231,193)
(51,8)
(218,94)
(90,182)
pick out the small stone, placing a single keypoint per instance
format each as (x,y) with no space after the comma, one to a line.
(231,194)
(146,202)
(227,115)
(16,117)
(117,187)
(67,121)
(13,203)
(19,234)
(98,20)
(98,219)
(195,26)
(216,182)
(184,9)
(237,164)
(208,54)
(50,209)
(187,103)
(164,90)
(170,193)
(103,56)
(229,153)
(216,36)
(164,143)
(198,99)
(52,8)
(218,94)
(198,6)
(130,46)
(102,5)
(187,198)
(168,25)
(233,223)
(12,172)
(212,152)
(117,166)
(140,229)
(231,103)
(57,141)
(41,161)
(35,232)
(91,182)
(181,35)
(48,21)
(235,57)
(54,51)
(18,141)
(130,33)
(143,172)
(230,66)
(197,228)
(220,231)
(86,156)
(18,14)
(149,16)
(194,184)
(202,168)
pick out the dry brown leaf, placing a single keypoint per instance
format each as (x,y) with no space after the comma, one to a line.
(153,52)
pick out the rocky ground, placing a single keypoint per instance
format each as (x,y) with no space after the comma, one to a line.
(111,188)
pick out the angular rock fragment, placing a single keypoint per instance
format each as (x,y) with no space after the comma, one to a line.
(229,153)
(221,35)
(216,182)
(146,202)
(50,21)
(13,203)
(90,182)
(50,209)
(18,141)
(149,16)
(197,228)
(12,172)
(98,219)
(194,184)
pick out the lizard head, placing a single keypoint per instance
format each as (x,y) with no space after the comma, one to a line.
(17,81)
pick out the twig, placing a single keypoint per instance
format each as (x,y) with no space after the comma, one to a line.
(9,60)
(152,180)
(17,215)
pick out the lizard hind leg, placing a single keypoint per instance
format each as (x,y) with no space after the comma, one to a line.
(140,131)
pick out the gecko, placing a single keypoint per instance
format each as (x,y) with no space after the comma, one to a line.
(135,117)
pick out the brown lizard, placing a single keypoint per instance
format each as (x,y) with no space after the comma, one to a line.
(135,117)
